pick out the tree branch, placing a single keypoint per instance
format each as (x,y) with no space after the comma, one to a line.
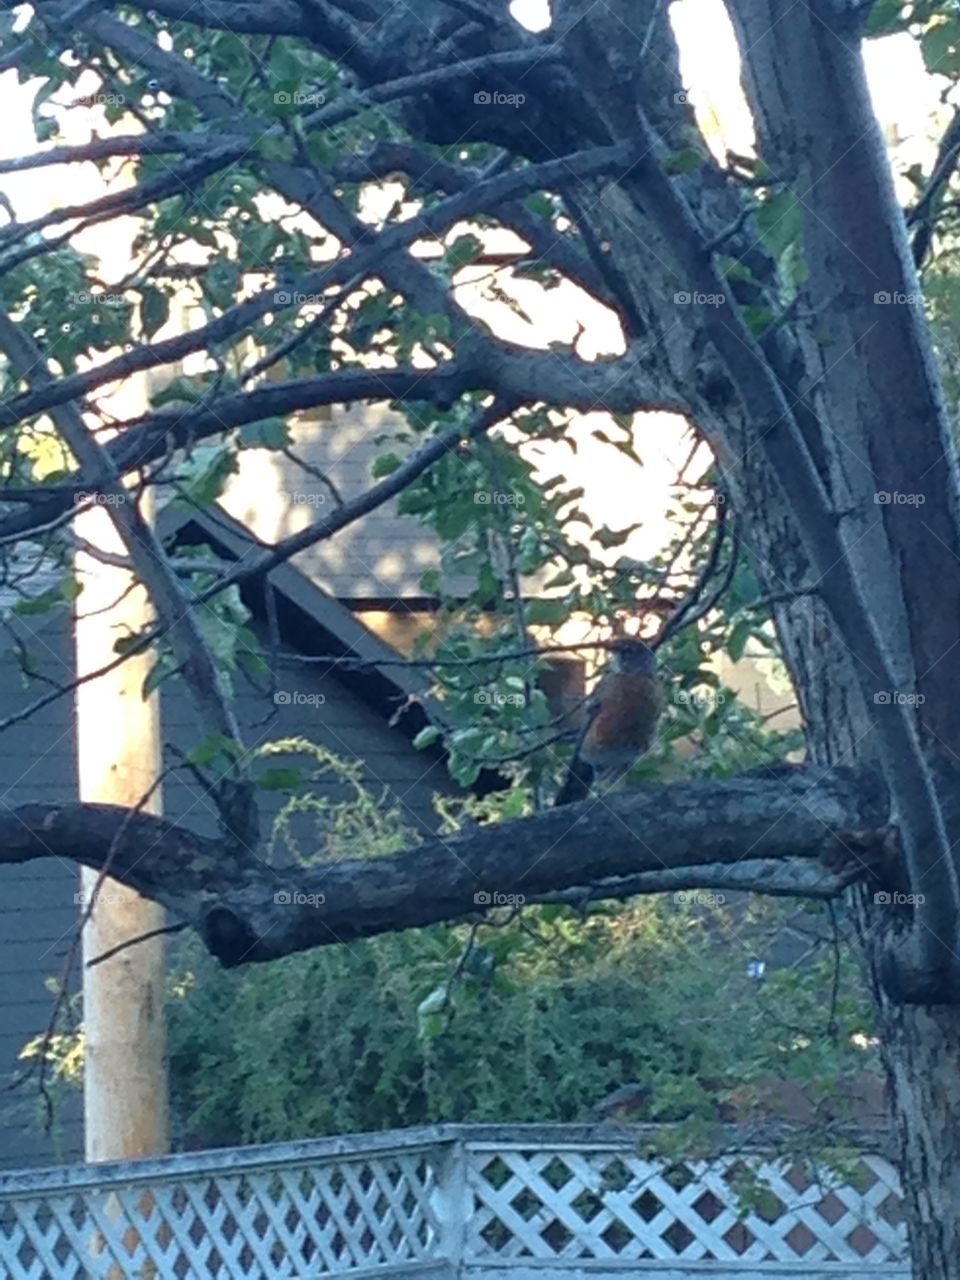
(196,662)
(248,911)
(513,374)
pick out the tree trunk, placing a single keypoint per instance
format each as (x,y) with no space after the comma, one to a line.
(921,1048)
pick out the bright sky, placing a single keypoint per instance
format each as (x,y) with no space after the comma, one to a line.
(903,92)
(905,95)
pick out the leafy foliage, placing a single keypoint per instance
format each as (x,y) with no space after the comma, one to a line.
(539,1017)
(541,1025)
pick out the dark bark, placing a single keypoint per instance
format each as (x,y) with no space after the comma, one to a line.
(807,432)
(247,910)
(881,427)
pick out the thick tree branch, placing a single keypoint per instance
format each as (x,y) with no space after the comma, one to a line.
(194,657)
(791,879)
(248,911)
(372,259)
(513,374)
(927,847)
(134,144)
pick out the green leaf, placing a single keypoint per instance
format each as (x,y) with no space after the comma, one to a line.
(216,744)
(268,433)
(940,46)
(164,667)
(222,282)
(885,18)
(431,1020)
(614,537)
(385,465)
(154,309)
(276,149)
(739,637)
(175,390)
(463,251)
(758,319)
(463,770)
(279,780)
(216,467)
(65,592)
(515,804)
(547,612)
(42,603)
(780,221)
(427,736)
(541,205)
(686,160)
(735,271)
(252,662)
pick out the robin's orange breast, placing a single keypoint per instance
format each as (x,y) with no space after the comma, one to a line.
(625,722)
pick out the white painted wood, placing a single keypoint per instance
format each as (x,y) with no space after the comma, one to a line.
(495,1204)
(119,761)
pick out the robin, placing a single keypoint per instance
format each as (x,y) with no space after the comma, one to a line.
(621,721)
(623,1104)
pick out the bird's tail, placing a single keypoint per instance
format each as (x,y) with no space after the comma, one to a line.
(576,785)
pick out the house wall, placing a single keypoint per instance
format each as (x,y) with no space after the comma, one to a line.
(38,911)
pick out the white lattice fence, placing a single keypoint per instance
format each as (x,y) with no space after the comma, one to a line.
(578,1203)
(450,1200)
(257,1215)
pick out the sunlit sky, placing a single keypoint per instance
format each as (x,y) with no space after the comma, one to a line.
(906,97)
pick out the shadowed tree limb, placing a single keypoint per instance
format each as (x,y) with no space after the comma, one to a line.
(758,826)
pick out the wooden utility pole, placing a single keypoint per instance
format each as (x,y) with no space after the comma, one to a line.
(126,1109)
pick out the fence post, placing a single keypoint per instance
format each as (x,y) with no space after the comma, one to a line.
(453,1203)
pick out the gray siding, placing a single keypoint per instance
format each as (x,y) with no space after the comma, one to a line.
(37,763)
(342,723)
(37,909)
(381,557)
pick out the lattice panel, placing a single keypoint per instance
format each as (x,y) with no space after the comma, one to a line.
(606,1204)
(316,1219)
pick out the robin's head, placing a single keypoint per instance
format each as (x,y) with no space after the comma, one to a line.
(633,657)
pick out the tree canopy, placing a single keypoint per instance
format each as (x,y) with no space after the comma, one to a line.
(772,300)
